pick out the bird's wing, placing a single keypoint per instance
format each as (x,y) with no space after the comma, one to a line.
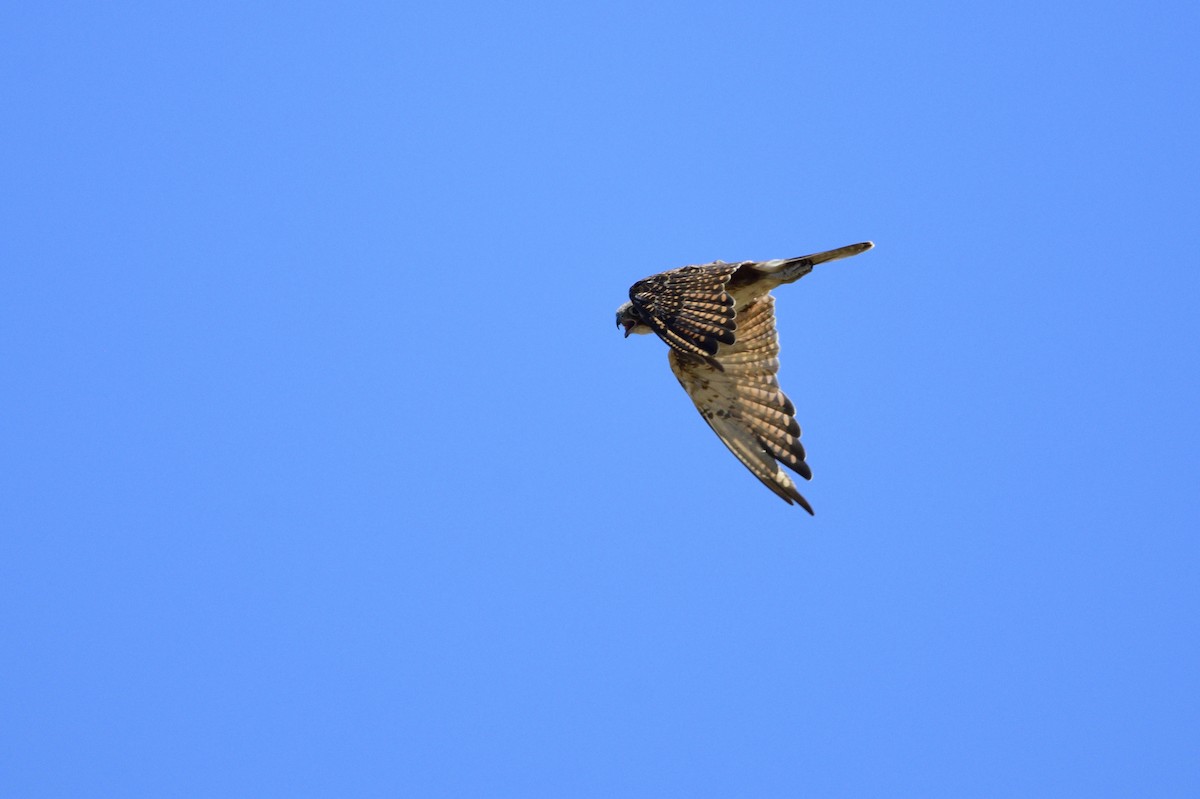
(742,402)
(689,308)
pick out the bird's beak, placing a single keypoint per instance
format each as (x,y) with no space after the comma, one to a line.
(628,327)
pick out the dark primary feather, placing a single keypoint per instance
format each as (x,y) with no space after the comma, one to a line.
(689,308)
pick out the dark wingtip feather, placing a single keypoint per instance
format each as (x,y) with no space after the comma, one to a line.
(794,497)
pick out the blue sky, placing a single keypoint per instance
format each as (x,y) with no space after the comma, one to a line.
(326,472)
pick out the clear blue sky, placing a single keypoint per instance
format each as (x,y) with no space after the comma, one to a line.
(325,471)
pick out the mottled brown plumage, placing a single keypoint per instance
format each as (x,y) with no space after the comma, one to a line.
(719,320)
(689,308)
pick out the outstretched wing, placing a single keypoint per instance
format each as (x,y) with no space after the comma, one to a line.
(740,399)
(689,308)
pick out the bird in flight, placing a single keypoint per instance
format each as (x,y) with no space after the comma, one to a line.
(719,321)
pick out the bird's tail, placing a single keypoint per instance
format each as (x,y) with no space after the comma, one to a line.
(789,270)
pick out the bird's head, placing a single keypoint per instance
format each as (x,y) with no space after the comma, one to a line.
(628,318)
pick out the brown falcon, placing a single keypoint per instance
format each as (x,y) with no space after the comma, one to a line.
(719,320)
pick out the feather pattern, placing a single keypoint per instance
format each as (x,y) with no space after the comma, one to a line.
(719,321)
(689,308)
(740,398)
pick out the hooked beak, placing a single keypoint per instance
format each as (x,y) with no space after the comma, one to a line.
(628,327)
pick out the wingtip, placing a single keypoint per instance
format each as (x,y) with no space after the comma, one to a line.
(797,499)
(790,495)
